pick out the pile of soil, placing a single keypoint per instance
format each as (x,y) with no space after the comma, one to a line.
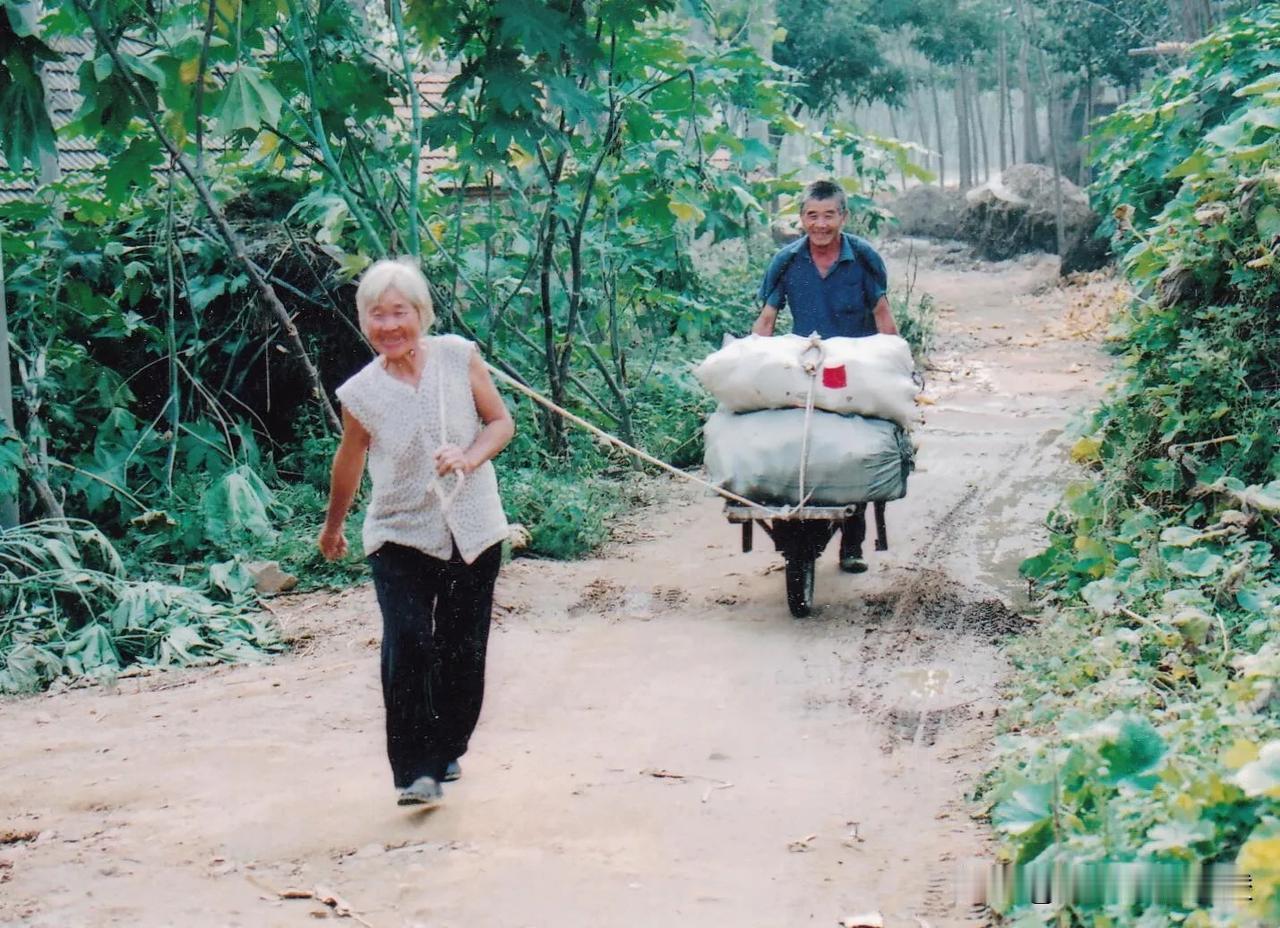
(1014,213)
(929,212)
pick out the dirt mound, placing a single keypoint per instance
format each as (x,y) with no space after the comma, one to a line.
(1014,213)
(929,212)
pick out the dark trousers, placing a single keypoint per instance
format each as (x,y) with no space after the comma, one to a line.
(854,532)
(435,630)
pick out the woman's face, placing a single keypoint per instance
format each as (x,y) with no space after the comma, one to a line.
(394,326)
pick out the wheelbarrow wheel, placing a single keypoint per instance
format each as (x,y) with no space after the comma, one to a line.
(800,571)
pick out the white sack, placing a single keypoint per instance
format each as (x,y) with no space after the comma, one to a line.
(763,372)
(851,459)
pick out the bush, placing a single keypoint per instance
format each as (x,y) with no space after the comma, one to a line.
(1144,726)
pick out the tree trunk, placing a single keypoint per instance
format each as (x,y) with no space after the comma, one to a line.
(982,127)
(893,128)
(8,504)
(922,126)
(1001,96)
(937,123)
(1008,105)
(963,142)
(760,29)
(1195,17)
(1030,126)
(1085,157)
(1053,149)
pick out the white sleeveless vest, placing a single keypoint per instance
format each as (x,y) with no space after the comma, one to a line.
(405,429)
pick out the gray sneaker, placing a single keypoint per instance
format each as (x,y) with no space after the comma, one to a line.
(852,564)
(424,791)
(452,772)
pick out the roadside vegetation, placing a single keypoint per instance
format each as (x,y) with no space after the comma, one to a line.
(1143,724)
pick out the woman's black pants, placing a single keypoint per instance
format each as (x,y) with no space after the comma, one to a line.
(435,630)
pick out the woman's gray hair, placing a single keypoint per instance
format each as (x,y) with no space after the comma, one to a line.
(402,274)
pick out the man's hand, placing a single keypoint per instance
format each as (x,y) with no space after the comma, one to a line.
(884,318)
(765,321)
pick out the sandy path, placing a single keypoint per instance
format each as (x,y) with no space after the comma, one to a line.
(824,765)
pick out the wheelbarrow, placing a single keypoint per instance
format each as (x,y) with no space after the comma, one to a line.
(801,535)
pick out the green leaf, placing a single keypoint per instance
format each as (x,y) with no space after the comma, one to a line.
(1196,562)
(1176,837)
(133,168)
(685,211)
(1103,596)
(1262,85)
(1262,776)
(1180,536)
(235,510)
(1130,747)
(1268,224)
(26,132)
(578,105)
(539,27)
(1024,809)
(249,101)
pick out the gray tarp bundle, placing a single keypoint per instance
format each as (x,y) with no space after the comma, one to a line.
(851,459)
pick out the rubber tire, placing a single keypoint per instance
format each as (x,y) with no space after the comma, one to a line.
(800,573)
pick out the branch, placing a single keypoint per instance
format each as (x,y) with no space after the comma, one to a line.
(1180,49)
(415,156)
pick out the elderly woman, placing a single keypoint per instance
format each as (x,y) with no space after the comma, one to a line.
(427,417)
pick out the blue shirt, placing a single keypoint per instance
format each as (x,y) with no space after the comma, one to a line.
(842,303)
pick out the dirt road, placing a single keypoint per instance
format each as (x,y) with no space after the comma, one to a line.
(662,743)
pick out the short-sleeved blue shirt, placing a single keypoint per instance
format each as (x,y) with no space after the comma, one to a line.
(840,304)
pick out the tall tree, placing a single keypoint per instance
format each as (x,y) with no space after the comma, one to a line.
(838,51)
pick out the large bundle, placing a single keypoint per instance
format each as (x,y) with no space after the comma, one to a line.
(850,459)
(869,376)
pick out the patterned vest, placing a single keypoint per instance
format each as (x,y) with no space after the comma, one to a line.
(409,505)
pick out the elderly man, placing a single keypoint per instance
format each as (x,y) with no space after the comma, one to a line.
(835,285)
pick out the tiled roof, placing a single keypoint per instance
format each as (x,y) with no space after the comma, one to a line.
(431,87)
(78,154)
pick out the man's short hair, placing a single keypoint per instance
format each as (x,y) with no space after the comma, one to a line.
(825,189)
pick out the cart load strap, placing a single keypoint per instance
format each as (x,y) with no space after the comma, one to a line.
(869,376)
(851,459)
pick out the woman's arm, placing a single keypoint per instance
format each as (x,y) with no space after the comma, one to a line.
(498,424)
(344,481)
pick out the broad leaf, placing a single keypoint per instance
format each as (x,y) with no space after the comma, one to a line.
(249,101)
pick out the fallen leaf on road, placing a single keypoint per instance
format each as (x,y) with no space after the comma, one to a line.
(296,894)
(339,905)
(800,845)
(662,774)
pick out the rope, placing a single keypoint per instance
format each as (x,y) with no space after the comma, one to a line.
(446,500)
(620,444)
(811,368)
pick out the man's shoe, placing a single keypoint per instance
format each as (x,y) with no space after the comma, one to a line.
(452,772)
(424,791)
(852,564)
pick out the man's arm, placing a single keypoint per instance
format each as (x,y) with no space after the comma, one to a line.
(765,321)
(884,317)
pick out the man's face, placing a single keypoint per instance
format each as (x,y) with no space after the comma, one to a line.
(821,221)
